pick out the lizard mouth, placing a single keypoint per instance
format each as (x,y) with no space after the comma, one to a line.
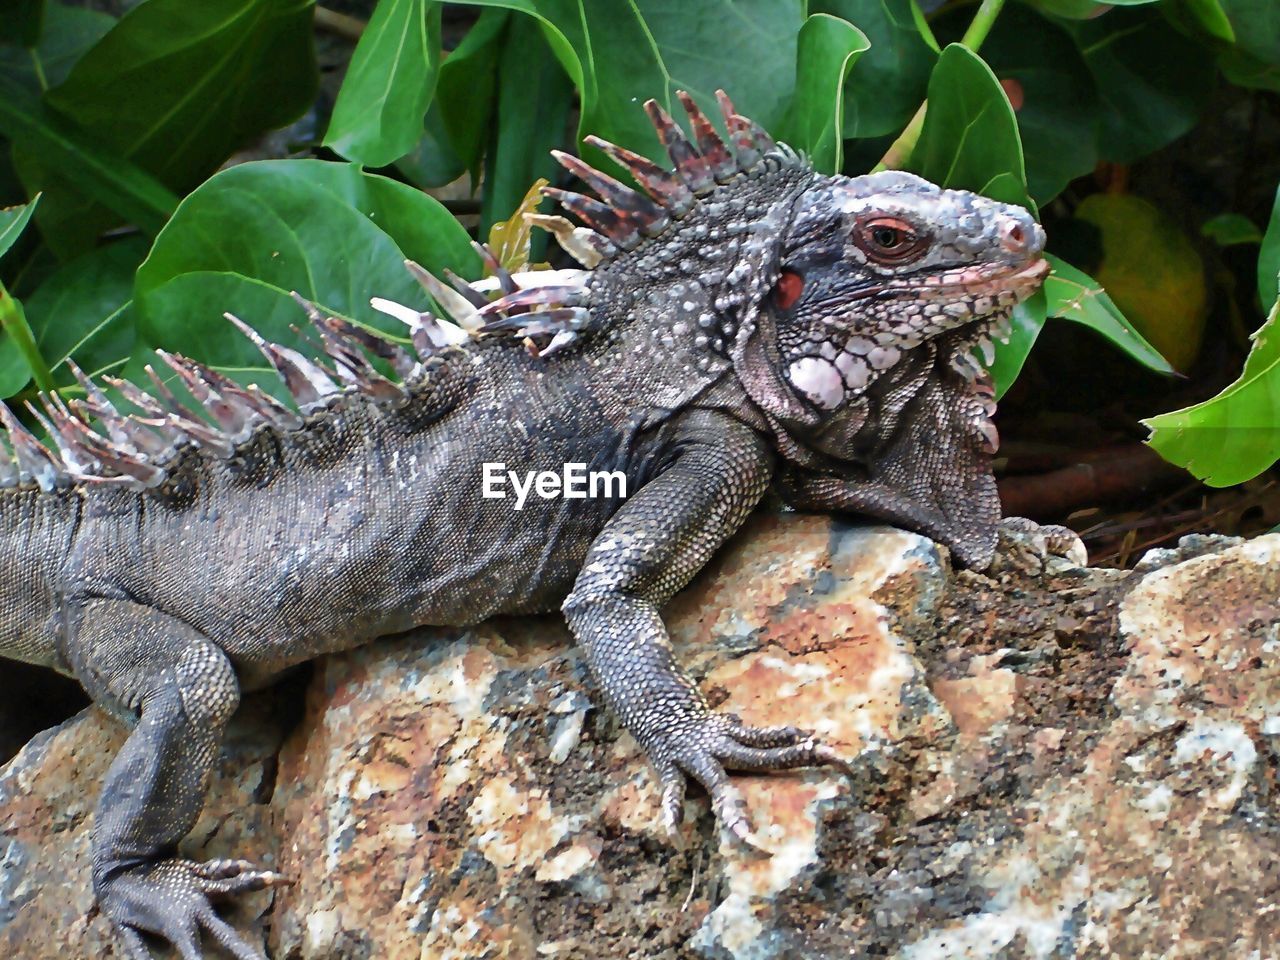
(1009,283)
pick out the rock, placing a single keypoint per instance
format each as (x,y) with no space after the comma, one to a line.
(1076,764)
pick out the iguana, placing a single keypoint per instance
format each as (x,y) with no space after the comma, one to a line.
(741,322)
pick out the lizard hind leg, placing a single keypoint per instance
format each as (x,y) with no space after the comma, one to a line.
(185,691)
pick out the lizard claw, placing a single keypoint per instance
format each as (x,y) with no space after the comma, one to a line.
(1026,545)
(170,899)
(704,750)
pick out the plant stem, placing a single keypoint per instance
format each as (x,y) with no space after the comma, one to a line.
(981,24)
(14,322)
(900,150)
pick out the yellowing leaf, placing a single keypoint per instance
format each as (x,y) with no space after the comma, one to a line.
(510,239)
(1152,272)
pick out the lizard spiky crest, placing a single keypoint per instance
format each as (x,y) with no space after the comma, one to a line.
(550,315)
(94,443)
(621,217)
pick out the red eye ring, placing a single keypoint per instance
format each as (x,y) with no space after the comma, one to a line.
(788,289)
(889,240)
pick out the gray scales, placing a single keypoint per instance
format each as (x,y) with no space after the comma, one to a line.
(740,323)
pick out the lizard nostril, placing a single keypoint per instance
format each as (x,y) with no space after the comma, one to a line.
(1014,238)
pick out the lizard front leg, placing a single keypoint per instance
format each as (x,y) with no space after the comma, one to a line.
(185,690)
(650,549)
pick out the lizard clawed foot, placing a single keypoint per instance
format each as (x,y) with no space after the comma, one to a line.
(171,899)
(715,742)
(1025,545)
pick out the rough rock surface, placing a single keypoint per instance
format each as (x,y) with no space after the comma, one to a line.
(1072,763)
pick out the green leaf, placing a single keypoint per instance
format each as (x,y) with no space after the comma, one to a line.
(534,96)
(970,137)
(468,78)
(1211,18)
(1146,102)
(431,162)
(1234,436)
(251,234)
(83,309)
(829,46)
(620,54)
(15,371)
(1050,90)
(68,33)
(1074,295)
(1256,25)
(1076,9)
(13,221)
(888,82)
(134,194)
(199,79)
(1269,257)
(1248,71)
(1230,229)
(380,108)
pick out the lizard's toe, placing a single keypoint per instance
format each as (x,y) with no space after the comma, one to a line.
(171,900)
(1026,546)
(717,743)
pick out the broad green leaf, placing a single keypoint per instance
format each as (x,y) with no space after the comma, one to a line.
(1152,271)
(14,369)
(1212,18)
(251,234)
(384,97)
(82,310)
(888,82)
(1269,257)
(620,54)
(1152,81)
(13,221)
(131,192)
(1050,90)
(1074,295)
(829,46)
(1075,9)
(432,161)
(1230,229)
(198,78)
(1247,71)
(68,33)
(1256,25)
(1236,435)
(970,137)
(534,97)
(468,78)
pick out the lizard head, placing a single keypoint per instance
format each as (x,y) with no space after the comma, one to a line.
(874,267)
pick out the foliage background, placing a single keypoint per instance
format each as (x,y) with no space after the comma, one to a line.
(164,161)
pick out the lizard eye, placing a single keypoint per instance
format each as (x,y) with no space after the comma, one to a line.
(889,240)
